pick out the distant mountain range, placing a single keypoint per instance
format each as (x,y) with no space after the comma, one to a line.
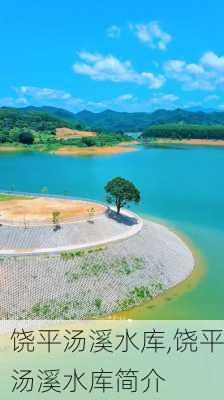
(114,121)
(133,122)
(198,109)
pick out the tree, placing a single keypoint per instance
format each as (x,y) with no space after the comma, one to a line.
(88,141)
(26,138)
(55,219)
(121,191)
(79,127)
(91,212)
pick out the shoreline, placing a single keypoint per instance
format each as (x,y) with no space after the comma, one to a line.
(94,150)
(150,306)
(8,149)
(70,150)
(190,142)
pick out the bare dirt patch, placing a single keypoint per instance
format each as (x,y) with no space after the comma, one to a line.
(94,150)
(40,209)
(67,133)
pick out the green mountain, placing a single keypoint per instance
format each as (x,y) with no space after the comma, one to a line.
(59,113)
(37,125)
(134,122)
(48,118)
(114,121)
(37,119)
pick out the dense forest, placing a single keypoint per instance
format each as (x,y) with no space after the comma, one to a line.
(59,113)
(15,122)
(184,131)
(37,126)
(139,121)
(113,121)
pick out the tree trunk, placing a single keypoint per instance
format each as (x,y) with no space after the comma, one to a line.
(118,205)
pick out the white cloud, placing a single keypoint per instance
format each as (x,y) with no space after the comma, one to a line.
(102,68)
(182,71)
(13,102)
(152,34)
(95,105)
(212,97)
(192,105)
(130,103)
(110,68)
(43,93)
(210,59)
(206,74)
(119,102)
(195,69)
(154,82)
(125,97)
(46,96)
(113,32)
(167,98)
(124,102)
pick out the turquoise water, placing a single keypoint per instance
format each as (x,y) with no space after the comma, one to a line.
(183,186)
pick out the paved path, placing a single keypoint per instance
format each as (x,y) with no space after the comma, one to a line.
(76,235)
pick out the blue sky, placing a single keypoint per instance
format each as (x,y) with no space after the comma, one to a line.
(123,55)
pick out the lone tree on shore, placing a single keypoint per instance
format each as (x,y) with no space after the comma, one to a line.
(120,191)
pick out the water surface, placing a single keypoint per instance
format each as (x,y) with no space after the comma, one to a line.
(182,186)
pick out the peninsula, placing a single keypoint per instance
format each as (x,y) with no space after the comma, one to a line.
(84,262)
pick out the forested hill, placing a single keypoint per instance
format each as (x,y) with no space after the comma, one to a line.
(48,118)
(184,131)
(59,113)
(134,122)
(114,121)
(31,118)
(38,126)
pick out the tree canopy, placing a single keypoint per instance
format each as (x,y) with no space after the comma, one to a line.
(26,138)
(184,131)
(120,191)
(139,121)
(42,124)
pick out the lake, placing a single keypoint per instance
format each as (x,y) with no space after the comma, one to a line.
(181,186)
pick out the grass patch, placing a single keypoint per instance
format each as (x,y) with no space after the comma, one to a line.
(65,310)
(71,276)
(87,269)
(139,294)
(95,269)
(7,197)
(98,303)
(53,310)
(92,267)
(69,255)
(126,266)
